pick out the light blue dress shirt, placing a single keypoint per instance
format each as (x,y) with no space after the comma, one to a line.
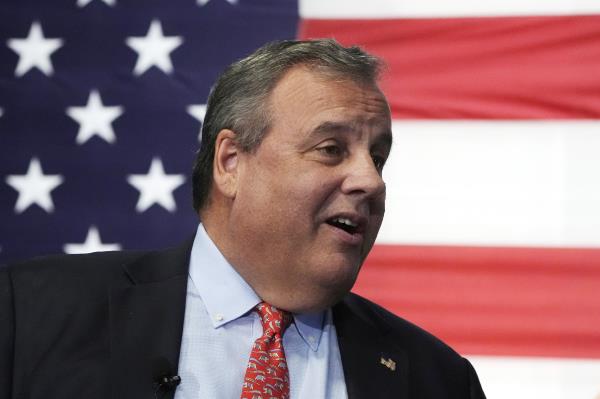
(220,328)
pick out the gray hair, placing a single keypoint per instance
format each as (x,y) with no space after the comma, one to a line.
(239,100)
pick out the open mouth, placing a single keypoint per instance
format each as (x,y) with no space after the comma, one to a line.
(345,224)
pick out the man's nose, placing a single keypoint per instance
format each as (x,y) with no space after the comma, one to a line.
(363,178)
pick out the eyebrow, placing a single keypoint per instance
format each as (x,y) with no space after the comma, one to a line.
(333,127)
(382,139)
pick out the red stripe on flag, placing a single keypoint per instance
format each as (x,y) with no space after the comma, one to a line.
(481,68)
(493,301)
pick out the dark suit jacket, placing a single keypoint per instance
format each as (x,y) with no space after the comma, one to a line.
(107,325)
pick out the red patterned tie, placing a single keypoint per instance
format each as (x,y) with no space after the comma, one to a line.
(267,374)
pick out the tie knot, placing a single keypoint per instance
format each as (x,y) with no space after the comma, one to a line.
(274,321)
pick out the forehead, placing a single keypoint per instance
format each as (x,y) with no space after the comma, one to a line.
(304,99)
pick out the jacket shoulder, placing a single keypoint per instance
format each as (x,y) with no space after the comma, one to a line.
(403,332)
(75,276)
(435,370)
(66,263)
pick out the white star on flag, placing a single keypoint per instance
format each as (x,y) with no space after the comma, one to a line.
(197,111)
(34,51)
(156,187)
(95,119)
(92,243)
(34,187)
(83,3)
(204,2)
(154,49)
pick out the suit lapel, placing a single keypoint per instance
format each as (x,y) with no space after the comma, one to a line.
(373,367)
(146,323)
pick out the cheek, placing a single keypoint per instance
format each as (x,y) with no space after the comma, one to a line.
(276,202)
(289,195)
(296,208)
(295,203)
(315,195)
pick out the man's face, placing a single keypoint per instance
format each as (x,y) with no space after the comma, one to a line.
(310,199)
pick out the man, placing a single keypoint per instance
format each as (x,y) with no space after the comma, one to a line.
(288,185)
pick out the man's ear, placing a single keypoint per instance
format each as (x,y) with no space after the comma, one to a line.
(225,163)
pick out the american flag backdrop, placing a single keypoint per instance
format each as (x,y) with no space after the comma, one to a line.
(102,102)
(492,231)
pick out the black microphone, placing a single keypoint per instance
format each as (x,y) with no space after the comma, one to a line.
(166,380)
(164,384)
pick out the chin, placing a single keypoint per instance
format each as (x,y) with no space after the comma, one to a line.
(339,279)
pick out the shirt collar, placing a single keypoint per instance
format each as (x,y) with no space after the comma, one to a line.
(227,296)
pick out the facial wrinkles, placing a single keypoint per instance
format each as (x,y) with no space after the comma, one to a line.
(360,116)
(293,198)
(362,197)
(312,96)
(367,117)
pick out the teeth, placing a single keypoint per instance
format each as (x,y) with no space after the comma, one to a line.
(345,221)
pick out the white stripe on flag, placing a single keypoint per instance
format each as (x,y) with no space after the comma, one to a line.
(516,183)
(347,9)
(526,378)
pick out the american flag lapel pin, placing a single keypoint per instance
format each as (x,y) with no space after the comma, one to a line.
(389,363)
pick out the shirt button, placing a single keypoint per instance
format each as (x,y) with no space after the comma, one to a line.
(218,317)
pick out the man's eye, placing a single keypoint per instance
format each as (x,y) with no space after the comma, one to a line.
(332,150)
